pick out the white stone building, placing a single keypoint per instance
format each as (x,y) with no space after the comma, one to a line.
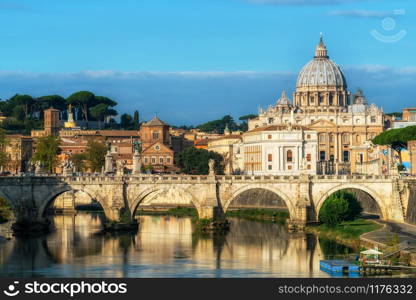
(280,150)
(322,103)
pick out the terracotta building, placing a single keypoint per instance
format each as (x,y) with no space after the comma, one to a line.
(409,114)
(201,143)
(19,150)
(412,150)
(52,124)
(156,143)
(408,118)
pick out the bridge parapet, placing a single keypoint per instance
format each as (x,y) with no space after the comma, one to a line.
(304,194)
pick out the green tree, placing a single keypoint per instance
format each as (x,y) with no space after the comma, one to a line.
(126,121)
(83,100)
(105,100)
(45,102)
(6,211)
(4,159)
(47,149)
(136,122)
(19,113)
(247,117)
(340,206)
(101,111)
(398,115)
(396,139)
(78,161)
(25,101)
(95,155)
(218,126)
(195,161)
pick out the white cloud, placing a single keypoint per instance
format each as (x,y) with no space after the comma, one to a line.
(360,13)
(5,5)
(195,97)
(305,2)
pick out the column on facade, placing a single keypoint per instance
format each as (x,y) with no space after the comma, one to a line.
(336,151)
(281,158)
(328,145)
(340,147)
(299,155)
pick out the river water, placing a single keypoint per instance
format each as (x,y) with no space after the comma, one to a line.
(164,247)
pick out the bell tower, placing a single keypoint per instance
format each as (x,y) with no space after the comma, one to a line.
(51,121)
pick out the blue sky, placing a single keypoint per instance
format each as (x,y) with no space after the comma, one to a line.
(195,60)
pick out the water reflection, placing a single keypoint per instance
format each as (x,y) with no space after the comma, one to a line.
(163,247)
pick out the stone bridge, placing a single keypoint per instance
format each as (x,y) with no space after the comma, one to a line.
(211,195)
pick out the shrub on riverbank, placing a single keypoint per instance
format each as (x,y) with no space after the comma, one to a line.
(346,231)
(5,211)
(259,215)
(179,212)
(339,207)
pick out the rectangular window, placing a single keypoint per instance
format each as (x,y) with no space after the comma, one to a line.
(289,156)
(270,167)
(168,160)
(155,135)
(308,157)
(309,167)
(161,160)
(146,160)
(269,157)
(346,156)
(373,119)
(322,155)
(153,160)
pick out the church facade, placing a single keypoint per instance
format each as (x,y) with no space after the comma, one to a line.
(344,123)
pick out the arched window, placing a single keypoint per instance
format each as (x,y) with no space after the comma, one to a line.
(289,156)
(345,138)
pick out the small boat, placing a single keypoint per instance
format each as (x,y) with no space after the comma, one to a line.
(339,267)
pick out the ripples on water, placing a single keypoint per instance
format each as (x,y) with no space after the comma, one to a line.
(164,247)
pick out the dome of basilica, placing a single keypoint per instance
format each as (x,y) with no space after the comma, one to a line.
(321,71)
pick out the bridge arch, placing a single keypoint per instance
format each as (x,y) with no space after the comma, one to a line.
(359,187)
(52,195)
(283,196)
(9,200)
(151,193)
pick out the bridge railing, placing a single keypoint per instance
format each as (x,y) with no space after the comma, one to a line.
(151,178)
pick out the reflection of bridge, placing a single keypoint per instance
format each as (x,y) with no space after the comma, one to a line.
(303,195)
